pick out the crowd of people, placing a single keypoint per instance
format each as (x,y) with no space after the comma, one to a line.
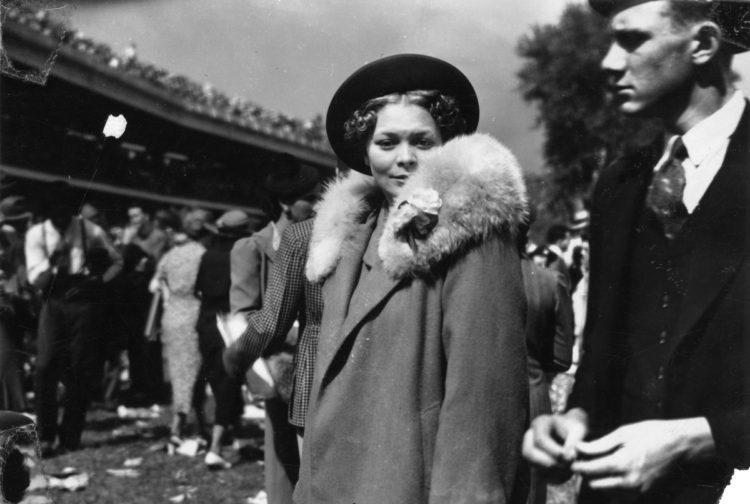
(409,329)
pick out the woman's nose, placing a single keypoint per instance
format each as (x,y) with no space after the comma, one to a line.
(406,156)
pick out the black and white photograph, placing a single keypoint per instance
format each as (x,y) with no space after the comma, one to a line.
(356,252)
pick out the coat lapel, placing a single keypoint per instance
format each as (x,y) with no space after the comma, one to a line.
(338,291)
(715,236)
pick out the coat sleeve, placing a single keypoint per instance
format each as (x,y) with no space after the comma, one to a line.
(245,260)
(485,407)
(283,303)
(564,334)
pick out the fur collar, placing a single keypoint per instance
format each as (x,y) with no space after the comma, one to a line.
(482,192)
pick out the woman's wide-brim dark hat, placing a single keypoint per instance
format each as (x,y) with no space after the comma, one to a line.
(395,74)
(731,15)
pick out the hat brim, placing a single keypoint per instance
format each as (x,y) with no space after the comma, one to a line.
(395,74)
(303,181)
(12,420)
(730,15)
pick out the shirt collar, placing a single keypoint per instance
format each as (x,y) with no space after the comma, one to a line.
(705,137)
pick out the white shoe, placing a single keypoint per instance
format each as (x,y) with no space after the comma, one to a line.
(215,461)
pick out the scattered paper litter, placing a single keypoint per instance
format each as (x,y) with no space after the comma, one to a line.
(178,498)
(252,412)
(260,498)
(125,412)
(70,481)
(37,499)
(189,447)
(133,462)
(124,473)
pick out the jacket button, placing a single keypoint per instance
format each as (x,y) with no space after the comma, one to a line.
(660,376)
(665,301)
(662,337)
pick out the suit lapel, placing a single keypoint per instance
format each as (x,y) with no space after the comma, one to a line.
(621,209)
(715,236)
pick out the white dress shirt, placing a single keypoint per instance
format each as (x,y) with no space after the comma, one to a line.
(706,145)
(43,239)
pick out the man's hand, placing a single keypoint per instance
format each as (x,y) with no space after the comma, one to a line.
(550,443)
(635,456)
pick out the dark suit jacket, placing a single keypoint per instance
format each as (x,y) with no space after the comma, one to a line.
(708,372)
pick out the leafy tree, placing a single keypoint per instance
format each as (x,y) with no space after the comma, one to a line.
(561,74)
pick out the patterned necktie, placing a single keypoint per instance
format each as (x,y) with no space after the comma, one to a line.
(664,196)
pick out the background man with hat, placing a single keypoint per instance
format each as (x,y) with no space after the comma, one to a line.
(662,392)
(295,187)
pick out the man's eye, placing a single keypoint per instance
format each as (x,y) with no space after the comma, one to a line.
(630,41)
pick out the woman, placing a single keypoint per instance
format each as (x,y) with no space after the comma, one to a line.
(420,390)
(175,276)
(213,283)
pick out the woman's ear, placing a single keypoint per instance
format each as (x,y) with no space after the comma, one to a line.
(706,42)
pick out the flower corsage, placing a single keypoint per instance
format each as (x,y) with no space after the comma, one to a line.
(418,215)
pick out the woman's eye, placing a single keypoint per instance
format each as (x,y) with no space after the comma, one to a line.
(425,143)
(384,143)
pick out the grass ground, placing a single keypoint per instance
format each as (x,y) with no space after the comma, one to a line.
(109,441)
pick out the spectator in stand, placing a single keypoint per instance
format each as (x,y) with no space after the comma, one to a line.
(175,277)
(296,187)
(15,301)
(59,260)
(213,284)
(144,244)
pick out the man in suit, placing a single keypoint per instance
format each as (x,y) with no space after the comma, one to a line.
(60,261)
(660,411)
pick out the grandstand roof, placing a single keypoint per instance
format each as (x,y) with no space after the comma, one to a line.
(35,39)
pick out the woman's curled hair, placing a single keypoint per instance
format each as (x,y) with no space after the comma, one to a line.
(443,109)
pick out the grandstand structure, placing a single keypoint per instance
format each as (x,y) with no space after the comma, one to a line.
(185,143)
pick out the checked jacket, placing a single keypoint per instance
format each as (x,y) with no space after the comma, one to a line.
(289,297)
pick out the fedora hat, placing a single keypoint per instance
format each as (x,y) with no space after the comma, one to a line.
(14,208)
(395,74)
(290,179)
(730,15)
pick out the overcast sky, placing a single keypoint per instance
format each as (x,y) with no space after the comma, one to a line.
(291,55)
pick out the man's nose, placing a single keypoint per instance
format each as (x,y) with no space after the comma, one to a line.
(614,60)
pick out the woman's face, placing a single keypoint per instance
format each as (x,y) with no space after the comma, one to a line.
(403,133)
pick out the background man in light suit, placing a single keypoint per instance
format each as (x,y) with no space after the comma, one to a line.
(662,398)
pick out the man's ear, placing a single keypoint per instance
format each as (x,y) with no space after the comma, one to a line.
(706,42)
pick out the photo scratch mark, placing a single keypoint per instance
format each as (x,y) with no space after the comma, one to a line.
(9,13)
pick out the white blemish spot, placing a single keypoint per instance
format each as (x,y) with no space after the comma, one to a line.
(115,126)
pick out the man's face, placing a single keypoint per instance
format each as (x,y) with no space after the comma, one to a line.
(136,217)
(303,207)
(649,67)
